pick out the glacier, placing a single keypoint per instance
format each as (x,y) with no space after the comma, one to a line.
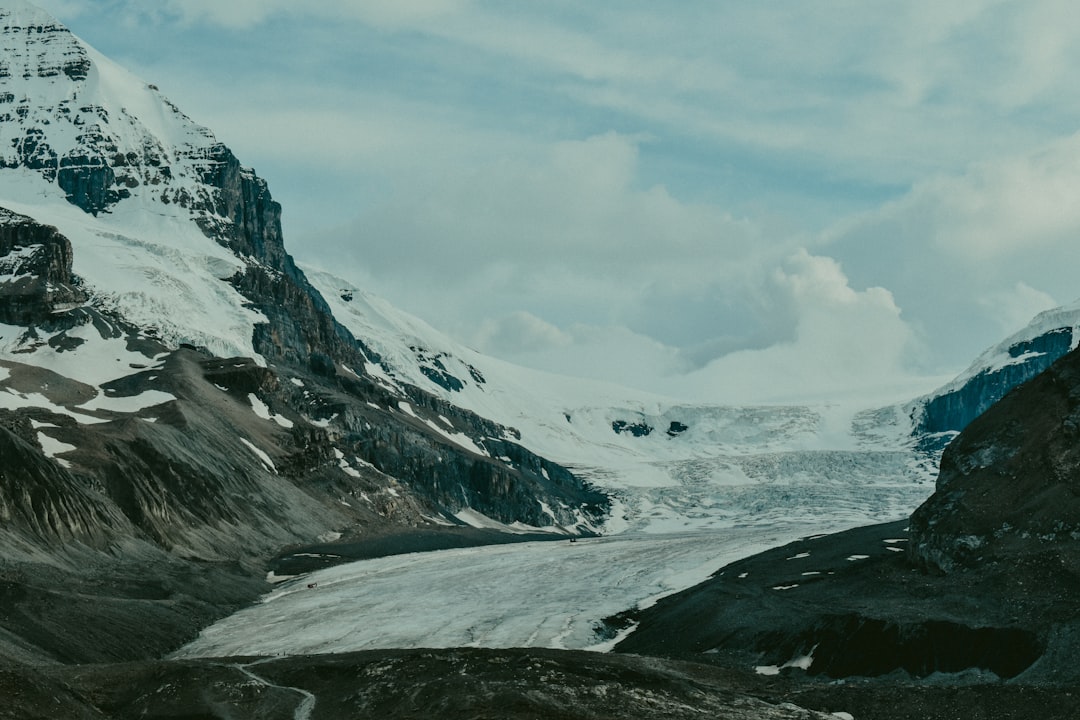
(536,594)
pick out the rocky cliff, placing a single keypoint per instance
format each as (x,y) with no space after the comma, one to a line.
(1009,484)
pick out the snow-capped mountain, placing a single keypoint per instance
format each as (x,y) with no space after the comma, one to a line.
(171,386)
(182,408)
(1012,362)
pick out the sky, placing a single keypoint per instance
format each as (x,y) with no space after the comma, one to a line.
(726,201)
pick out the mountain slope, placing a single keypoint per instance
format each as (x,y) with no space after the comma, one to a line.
(173,390)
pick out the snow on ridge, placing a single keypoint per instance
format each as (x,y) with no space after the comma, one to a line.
(997,357)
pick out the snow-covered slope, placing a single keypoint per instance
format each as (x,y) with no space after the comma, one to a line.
(125,176)
(672,465)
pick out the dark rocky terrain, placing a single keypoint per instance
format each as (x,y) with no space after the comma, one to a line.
(413,684)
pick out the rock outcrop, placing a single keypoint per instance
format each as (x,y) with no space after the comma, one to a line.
(1009,485)
(35,271)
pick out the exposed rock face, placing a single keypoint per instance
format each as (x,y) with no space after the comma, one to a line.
(41,500)
(35,271)
(952,411)
(1010,483)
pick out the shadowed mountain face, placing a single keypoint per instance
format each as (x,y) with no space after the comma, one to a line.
(1009,487)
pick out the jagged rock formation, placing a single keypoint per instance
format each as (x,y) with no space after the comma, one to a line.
(1009,484)
(35,271)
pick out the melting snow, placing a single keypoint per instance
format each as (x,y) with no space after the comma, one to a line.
(52,447)
(262,410)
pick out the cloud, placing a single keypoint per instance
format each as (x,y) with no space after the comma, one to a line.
(610,353)
(243,14)
(518,333)
(968,254)
(533,176)
(847,342)
(565,233)
(572,204)
(1015,307)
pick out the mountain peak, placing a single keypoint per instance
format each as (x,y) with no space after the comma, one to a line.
(22,14)
(87,126)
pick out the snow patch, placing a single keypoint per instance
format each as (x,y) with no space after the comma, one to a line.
(53,447)
(802,662)
(266,461)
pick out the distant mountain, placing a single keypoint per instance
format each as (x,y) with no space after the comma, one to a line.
(939,416)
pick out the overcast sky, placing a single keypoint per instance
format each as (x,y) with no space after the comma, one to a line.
(728,200)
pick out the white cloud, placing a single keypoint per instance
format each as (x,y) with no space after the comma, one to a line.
(242,14)
(563,233)
(519,333)
(969,254)
(538,175)
(610,353)
(1015,307)
(846,342)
